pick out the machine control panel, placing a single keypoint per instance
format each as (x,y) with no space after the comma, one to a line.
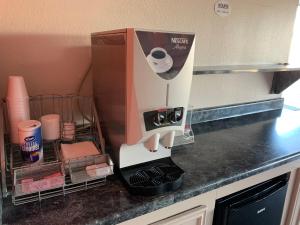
(163,118)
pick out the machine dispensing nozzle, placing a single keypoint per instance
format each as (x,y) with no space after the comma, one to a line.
(168,140)
(153,142)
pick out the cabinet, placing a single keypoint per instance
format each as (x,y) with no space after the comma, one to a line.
(195,216)
(293,214)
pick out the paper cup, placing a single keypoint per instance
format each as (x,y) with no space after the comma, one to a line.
(16,87)
(17,104)
(18,110)
(50,126)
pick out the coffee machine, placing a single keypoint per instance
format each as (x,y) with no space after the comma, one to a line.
(141,85)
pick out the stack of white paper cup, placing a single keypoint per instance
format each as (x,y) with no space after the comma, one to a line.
(17,105)
(51,126)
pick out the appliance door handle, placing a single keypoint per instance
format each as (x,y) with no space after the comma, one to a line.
(260,197)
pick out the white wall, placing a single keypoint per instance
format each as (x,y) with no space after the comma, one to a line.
(295,43)
(224,89)
(48,41)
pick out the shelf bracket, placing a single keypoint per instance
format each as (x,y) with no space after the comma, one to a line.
(283,80)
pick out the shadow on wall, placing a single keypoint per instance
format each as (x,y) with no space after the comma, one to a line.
(50,64)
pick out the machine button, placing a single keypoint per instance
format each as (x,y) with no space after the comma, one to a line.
(159,119)
(176,115)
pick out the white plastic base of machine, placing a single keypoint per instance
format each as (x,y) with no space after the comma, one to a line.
(136,154)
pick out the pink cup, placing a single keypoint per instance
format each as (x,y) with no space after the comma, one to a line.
(16,87)
(17,105)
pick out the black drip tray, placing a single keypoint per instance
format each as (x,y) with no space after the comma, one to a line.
(153,177)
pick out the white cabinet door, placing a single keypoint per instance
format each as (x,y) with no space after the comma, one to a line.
(193,216)
(293,214)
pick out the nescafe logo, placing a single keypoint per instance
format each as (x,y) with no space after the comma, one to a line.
(175,40)
(29,139)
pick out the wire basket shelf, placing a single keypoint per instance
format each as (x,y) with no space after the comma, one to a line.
(29,182)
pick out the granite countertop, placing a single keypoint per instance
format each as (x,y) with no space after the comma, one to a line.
(224,151)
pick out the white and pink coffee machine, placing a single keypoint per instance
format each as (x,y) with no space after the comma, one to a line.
(142,82)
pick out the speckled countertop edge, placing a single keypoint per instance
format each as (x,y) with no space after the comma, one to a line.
(193,192)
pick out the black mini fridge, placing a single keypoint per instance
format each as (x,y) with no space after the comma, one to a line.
(261,204)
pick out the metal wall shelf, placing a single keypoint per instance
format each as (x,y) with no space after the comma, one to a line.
(204,70)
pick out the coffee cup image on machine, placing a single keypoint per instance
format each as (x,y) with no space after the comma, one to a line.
(159,60)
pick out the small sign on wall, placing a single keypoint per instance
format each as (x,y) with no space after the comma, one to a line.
(222,8)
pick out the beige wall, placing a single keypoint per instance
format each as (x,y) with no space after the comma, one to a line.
(48,41)
(226,89)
